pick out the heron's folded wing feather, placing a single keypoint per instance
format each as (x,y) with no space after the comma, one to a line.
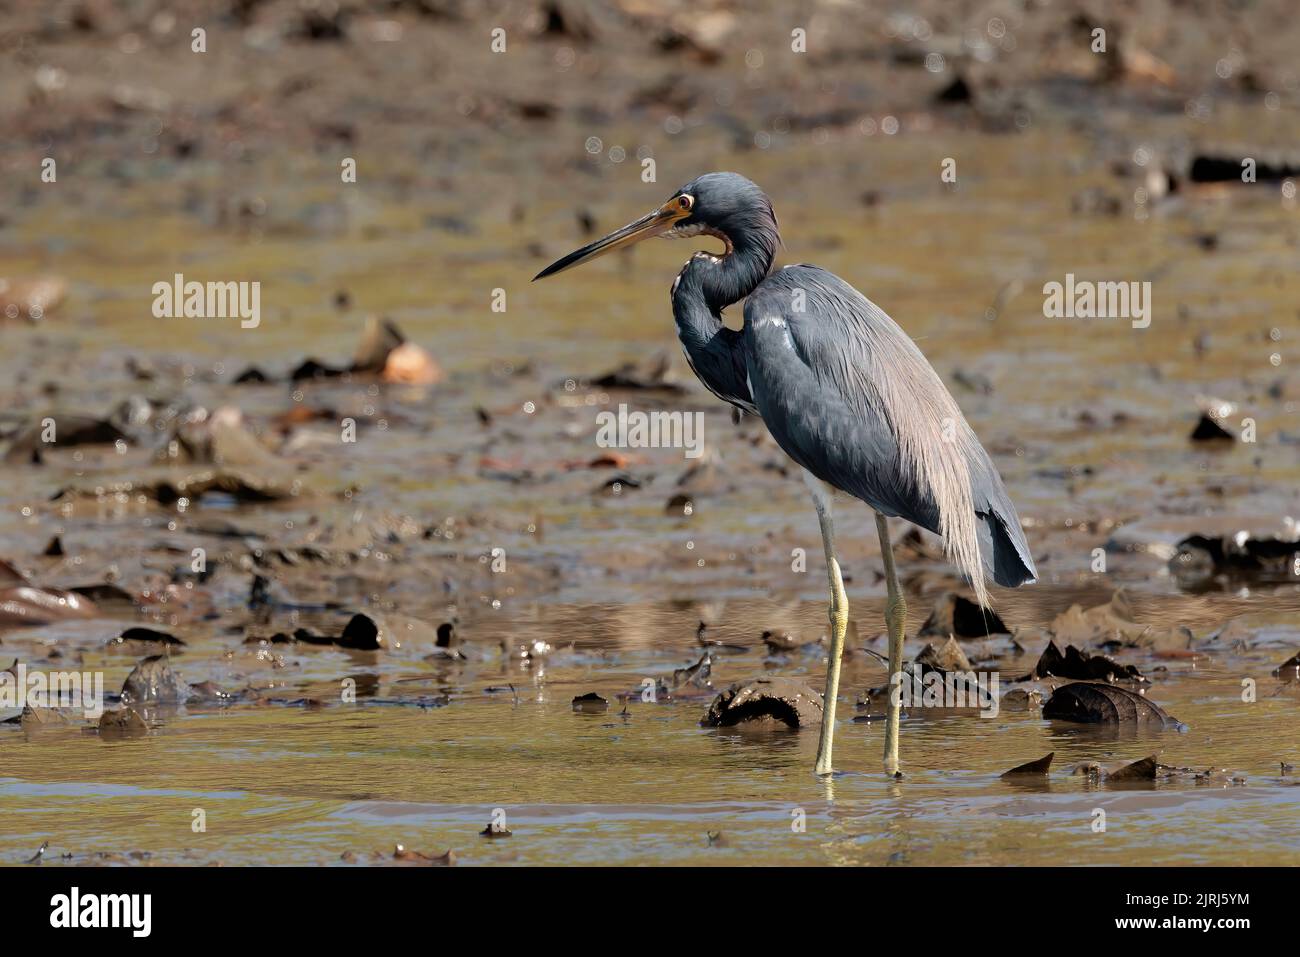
(809,365)
(849,396)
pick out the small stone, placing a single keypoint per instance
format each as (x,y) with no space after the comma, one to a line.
(590,703)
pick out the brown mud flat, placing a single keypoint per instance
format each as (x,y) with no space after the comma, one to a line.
(475,493)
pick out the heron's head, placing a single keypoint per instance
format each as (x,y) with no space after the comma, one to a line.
(725,205)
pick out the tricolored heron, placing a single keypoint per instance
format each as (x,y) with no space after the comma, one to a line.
(845,393)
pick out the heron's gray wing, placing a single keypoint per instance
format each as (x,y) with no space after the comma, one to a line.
(848,395)
(841,435)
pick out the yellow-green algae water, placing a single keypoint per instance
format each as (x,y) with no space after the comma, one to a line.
(614,584)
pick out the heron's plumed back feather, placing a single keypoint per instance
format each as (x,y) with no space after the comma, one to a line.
(851,398)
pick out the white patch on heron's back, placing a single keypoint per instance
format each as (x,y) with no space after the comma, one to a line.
(780,323)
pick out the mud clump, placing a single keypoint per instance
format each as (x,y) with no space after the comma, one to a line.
(696,674)
(649,376)
(1143,770)
(1237,556)
(782,642)
(153,682)
(31,605)
(785,700)
(361,633)
(1210,429)
(122,723)
(1036,768)
(36,717)
(590,703)
(72,430)
(1020,699)
(957,615)
(406,855)
(1080,665)
(947,657)
(147,636)
(1288,670)
(30,297)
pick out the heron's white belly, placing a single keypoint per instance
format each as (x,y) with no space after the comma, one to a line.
(822,493)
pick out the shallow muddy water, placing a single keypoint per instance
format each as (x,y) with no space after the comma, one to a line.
(484,499)
(283,784)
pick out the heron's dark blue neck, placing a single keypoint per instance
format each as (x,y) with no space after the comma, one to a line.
(707,285)
(718,281)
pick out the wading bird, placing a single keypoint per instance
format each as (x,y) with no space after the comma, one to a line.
(845,393)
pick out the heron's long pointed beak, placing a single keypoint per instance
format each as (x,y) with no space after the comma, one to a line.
(653,224)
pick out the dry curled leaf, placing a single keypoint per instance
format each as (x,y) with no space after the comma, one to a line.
(1041,766)
(1094,703)
(1144,770)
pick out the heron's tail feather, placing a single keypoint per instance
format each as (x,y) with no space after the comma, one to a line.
(940,457)
(927,441)
(1005,551)
(977,520)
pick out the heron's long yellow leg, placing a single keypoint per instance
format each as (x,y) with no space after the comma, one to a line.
(839,622)
(895,625)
